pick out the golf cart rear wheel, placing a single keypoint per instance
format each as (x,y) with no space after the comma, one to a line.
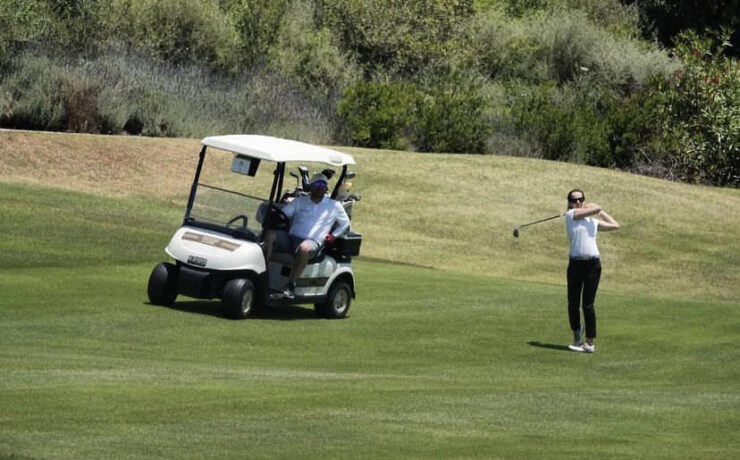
(337,302)
(162,288)
(238,299)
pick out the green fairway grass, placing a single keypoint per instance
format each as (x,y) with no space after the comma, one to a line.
(429,364)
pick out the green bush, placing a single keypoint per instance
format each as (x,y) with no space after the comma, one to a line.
(450,116)
(564,46)
(702,110)
(177,31)
(77,25)
(309,55)
(33,96)
(378,114)
(506,48)
(567,123)
(571,46)
(634,133)
(120,91)
(258,24)
(398,36)
(20,21)
(664,20)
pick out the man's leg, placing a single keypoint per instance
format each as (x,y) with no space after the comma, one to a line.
(302,254)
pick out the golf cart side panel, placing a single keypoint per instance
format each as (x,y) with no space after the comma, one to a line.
(343,270)
(312,280)
(214,251)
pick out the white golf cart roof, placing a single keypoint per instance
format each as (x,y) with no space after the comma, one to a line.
(277,149)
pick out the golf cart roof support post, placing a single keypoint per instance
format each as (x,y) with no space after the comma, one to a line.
(194,187)
(277,181)
(340,181)
(280,180)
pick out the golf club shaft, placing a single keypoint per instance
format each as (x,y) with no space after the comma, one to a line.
(539,221)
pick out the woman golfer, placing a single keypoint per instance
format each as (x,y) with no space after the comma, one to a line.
(584,269)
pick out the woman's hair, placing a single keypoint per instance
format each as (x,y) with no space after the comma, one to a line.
(573,191)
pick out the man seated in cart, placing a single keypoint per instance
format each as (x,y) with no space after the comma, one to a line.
(316,219)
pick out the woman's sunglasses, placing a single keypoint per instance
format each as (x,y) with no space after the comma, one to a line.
(577,200)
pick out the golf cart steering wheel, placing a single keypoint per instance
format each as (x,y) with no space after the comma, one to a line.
(276,218)
(234,219)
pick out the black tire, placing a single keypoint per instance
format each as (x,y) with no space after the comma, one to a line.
(337,302)
(239,298)
(162,287)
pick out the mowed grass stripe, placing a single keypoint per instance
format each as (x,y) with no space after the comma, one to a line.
(45,227)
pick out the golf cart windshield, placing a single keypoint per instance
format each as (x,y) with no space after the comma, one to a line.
(230,193)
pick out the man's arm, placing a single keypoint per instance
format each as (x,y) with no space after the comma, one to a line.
(608,223)
(342,221)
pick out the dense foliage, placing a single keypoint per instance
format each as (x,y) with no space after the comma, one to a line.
(569,80)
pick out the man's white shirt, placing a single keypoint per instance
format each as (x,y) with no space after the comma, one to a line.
(314,221)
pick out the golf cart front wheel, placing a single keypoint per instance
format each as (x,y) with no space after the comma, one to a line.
(337,302)
(162,288)
(238,298)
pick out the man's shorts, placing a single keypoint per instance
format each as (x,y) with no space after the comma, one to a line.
(289,243)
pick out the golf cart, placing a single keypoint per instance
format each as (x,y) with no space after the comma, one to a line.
(218,252)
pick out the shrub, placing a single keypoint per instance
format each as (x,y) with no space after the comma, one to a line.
(80,96)
(258,24)
(397,36)
(665,19)
(634,133)
(177,31)
(278,106)
(506,47)
(309,55)
(20,21)
(122,91)
(564,46)
(378,114)
(571,46)
(450,116)
(702,110)
(33,97)
(567,123)
(76,25)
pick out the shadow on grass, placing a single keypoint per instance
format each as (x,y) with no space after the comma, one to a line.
(213,308)
(549,346)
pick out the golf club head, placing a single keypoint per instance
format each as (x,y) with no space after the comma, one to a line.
(516,232)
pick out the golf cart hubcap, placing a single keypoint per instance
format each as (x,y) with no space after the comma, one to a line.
(246,301)
(340,300)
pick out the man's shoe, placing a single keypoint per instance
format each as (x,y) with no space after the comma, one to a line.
(576,346)
(289,292)
(589,347)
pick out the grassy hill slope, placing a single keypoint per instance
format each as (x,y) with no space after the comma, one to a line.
(453,212)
